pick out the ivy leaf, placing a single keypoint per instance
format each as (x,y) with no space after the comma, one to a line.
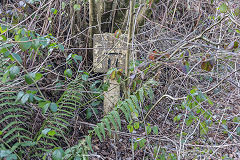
(53,107)
(13,71)
(24,98)
(223,8)
(24,43)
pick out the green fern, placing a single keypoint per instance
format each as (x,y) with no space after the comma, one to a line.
(128,106)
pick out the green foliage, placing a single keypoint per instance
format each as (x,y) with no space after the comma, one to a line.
(131,108)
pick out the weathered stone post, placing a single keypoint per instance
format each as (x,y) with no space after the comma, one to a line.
(109,52)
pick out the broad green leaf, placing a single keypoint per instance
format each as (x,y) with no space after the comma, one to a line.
(77,57)
(155,130)
(58,154)
(53,107)
(29,78)
(130,128)
(149,129)
(13,71)
(135,145)
(142,142)
(68,73)
(177,118)
(189,121)
(1,133)
(25,43)
(77,7)
(236,119)
(51,133)
(105,86)
(3,38)
(3,29)
(15,56)
(19,95)
(223,8)
(45,108)
(24,98)
(44,41)
(38,76)
(136,125)
(95,103)
(37,98)
(45,131)
(30,99)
